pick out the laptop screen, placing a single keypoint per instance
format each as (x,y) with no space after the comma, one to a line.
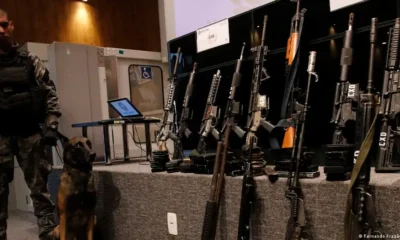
(124,108)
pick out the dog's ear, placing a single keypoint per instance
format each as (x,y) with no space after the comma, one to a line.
(89,144)
(92,155)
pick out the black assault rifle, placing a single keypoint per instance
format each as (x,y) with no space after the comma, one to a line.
(340,154)
(233,106)
(297,220)
(166,130)
(389,139)
(183,130)
(211,115)
(361,221)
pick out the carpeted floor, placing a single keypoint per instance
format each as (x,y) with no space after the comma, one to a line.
(133,204)
(22,226)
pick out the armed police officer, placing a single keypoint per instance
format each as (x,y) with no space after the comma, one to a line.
(29,111)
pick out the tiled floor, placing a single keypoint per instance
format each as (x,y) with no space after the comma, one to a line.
(22,226)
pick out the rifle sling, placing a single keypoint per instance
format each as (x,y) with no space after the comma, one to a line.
(364,151)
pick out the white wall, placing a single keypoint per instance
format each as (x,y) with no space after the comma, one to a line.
(185,16)
(180,17)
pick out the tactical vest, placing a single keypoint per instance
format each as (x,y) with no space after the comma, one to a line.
(20,94)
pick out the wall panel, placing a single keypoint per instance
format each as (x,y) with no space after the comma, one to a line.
(117,23)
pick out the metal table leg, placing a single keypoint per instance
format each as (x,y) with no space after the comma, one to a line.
(149,151)
(125,142)
(84,132)
(106,140)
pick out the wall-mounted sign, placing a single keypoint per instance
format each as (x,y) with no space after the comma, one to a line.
(338,4)
(213,35)
(146,72)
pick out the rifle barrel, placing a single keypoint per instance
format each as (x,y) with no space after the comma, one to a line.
(373,39)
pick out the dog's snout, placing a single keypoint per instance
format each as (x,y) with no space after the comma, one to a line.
(92,157)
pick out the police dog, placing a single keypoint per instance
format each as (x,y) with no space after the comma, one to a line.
(76,197)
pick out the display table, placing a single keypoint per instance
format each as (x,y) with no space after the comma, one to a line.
(106,138)
(133,204)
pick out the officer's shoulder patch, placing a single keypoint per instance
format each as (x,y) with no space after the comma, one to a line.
(40,68)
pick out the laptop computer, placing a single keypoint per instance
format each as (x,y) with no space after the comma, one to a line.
(125,108)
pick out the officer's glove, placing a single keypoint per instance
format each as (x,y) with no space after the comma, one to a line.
(50,133)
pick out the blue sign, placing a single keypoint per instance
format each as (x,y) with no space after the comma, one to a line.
(146,73)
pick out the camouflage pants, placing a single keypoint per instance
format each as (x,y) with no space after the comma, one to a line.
(36,170)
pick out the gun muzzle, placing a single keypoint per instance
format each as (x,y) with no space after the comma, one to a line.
(374,21)
(241,54)
(351,21)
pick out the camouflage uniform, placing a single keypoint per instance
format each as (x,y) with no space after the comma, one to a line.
(19,134)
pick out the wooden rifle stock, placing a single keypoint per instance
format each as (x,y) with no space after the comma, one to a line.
(291,51)
(293,40)
(212,206)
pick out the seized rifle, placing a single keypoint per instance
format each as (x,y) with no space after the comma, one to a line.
(169,113)
(187,113)
(211,115)
(340,153)
(285,125)
(252,155)
(233,107)
(258,104)
(297,219)
(389,138)
(292,64)
(183,130)
(231,117)
(212,206)
(361,218)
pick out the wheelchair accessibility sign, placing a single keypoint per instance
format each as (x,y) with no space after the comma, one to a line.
(146,73)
